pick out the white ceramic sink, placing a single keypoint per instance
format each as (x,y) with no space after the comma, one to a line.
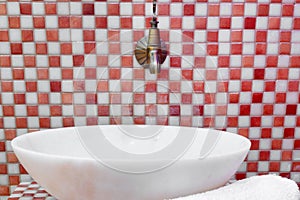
(132,162)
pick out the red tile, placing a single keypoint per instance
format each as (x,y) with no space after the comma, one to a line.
(114,48)
(14,22)
(3,36)
(66,48)
(213,9)
(294,61)
(232,121)
(236,36)
(91,121)
(187,74)
(293,86)
(78,60)
(88,35)
(234,98)
(138,74)
(289,133)
(297,23)
(150,87)
(113,9)
(291,109)
(282,74)
(138,98)
(54,61)
(278,121)
(175,22)
(225,23)
(90,73)
(75,21)
(250,23)
(186,98)
(285,48)
(211,74)
(102,86)
(163,9)
(268,109)
(126,22)
(4,190)
(200,22)
(138,9)
(198,86)
(274,166)
(274,23)
(238,10)
(270,86)
(255,121)
(285,36)
(91,98)
(252,167)
(115,98)
(31,86)
(52,35)
(10,134)
(222,86)
(50,8)
(209,98)
(244,109)
(114,73)
(246,86)
(43,74)
(67,98)
(212,49)
(261,48)
(151,110)
(221,110)
(212,36)
(68,122)
(18,74)
(25,8)
(264,155)
(223,61)
(288,10)
(188,49)
(235,74)
(287,155)
(126,86)
(19,98)
(78,85)
(63,22)
(55,86)
(38,22)
(32,111)
(175,62)
(79,110)
(296,167)
(41,48)
(236,48)
(280,98)
(44,122)
(261,36)
(101,22)
(127,110)
(5,61)
(174,110)
(27,35)
(103,110)
(257,97)
(8,111)
(89,47)
(126,61)
(162,98)
(16,48)
(88,9)
(55,110)
(272,61)
(189,9)
(3,9)
(263,10)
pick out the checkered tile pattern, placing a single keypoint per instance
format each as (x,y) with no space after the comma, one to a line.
(232,65)
(30,191)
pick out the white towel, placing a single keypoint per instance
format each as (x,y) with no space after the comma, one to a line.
(266,187)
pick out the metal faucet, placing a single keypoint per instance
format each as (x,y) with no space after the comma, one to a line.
(151,51)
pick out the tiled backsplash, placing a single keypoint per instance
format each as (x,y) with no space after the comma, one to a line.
(232,65)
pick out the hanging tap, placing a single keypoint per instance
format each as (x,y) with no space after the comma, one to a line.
(151,51)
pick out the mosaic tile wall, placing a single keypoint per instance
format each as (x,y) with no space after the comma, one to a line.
(232,65)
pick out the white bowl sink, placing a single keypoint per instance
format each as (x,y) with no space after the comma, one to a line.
(132,162)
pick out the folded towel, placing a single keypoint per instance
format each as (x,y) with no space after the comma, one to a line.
(266,187)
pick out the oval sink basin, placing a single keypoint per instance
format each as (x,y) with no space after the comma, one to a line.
(142,162)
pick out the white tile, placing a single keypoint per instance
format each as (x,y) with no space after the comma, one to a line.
(6,73)
(79,98)
(248,35)
(13,168)
(56,122)
(288,144)
(279,109)
(19,86)
(30,74)
(63,8)
(39,35)
(42,61)
(89,22)
(200,36)
(5,48)
(4,22)
(175,49)
(234,86)
(273,48)
(213,22)
(270,73)
(51,21)
(20,110)
(175,98)
(265,144)
(77,47)
(176,9)
(247,74)
(295,48)
(273,36)
(91,86)
(67,110)
(283,60)
(285,166)
(243,121)
(248,48)
(223,74)
(224,48)
(286,23)
(13,8)
(103,98)
(101,34)
(100,8)
(295,36)
(281,86)
(115,110)
(150,98)
(125,36)
(53,48)
(225,9)
(201,9)
(245,98)
(139,110)
(237,22)
(260,61)
(54,73)
(266,121)
(126,9)
(148,9)
(296,10)
(221,98)
(268,97)
(26,21)
(43,86)
(64,35)
(235,60)
(257,85)
(76,8)
(138,22)
(224,36)
(38,8)
(33,122)
(17,61)
(188,22)
(114,61)
(90,60)
(289,121)
(164,23)
(15,35)
(210,87)
(275,9)
(294,73)
(28,48)
(256,109)
(250,9)
(263,166)
(261,23)
(102,48)
(31,98)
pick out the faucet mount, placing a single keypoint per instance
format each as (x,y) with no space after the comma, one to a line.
(151,51)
